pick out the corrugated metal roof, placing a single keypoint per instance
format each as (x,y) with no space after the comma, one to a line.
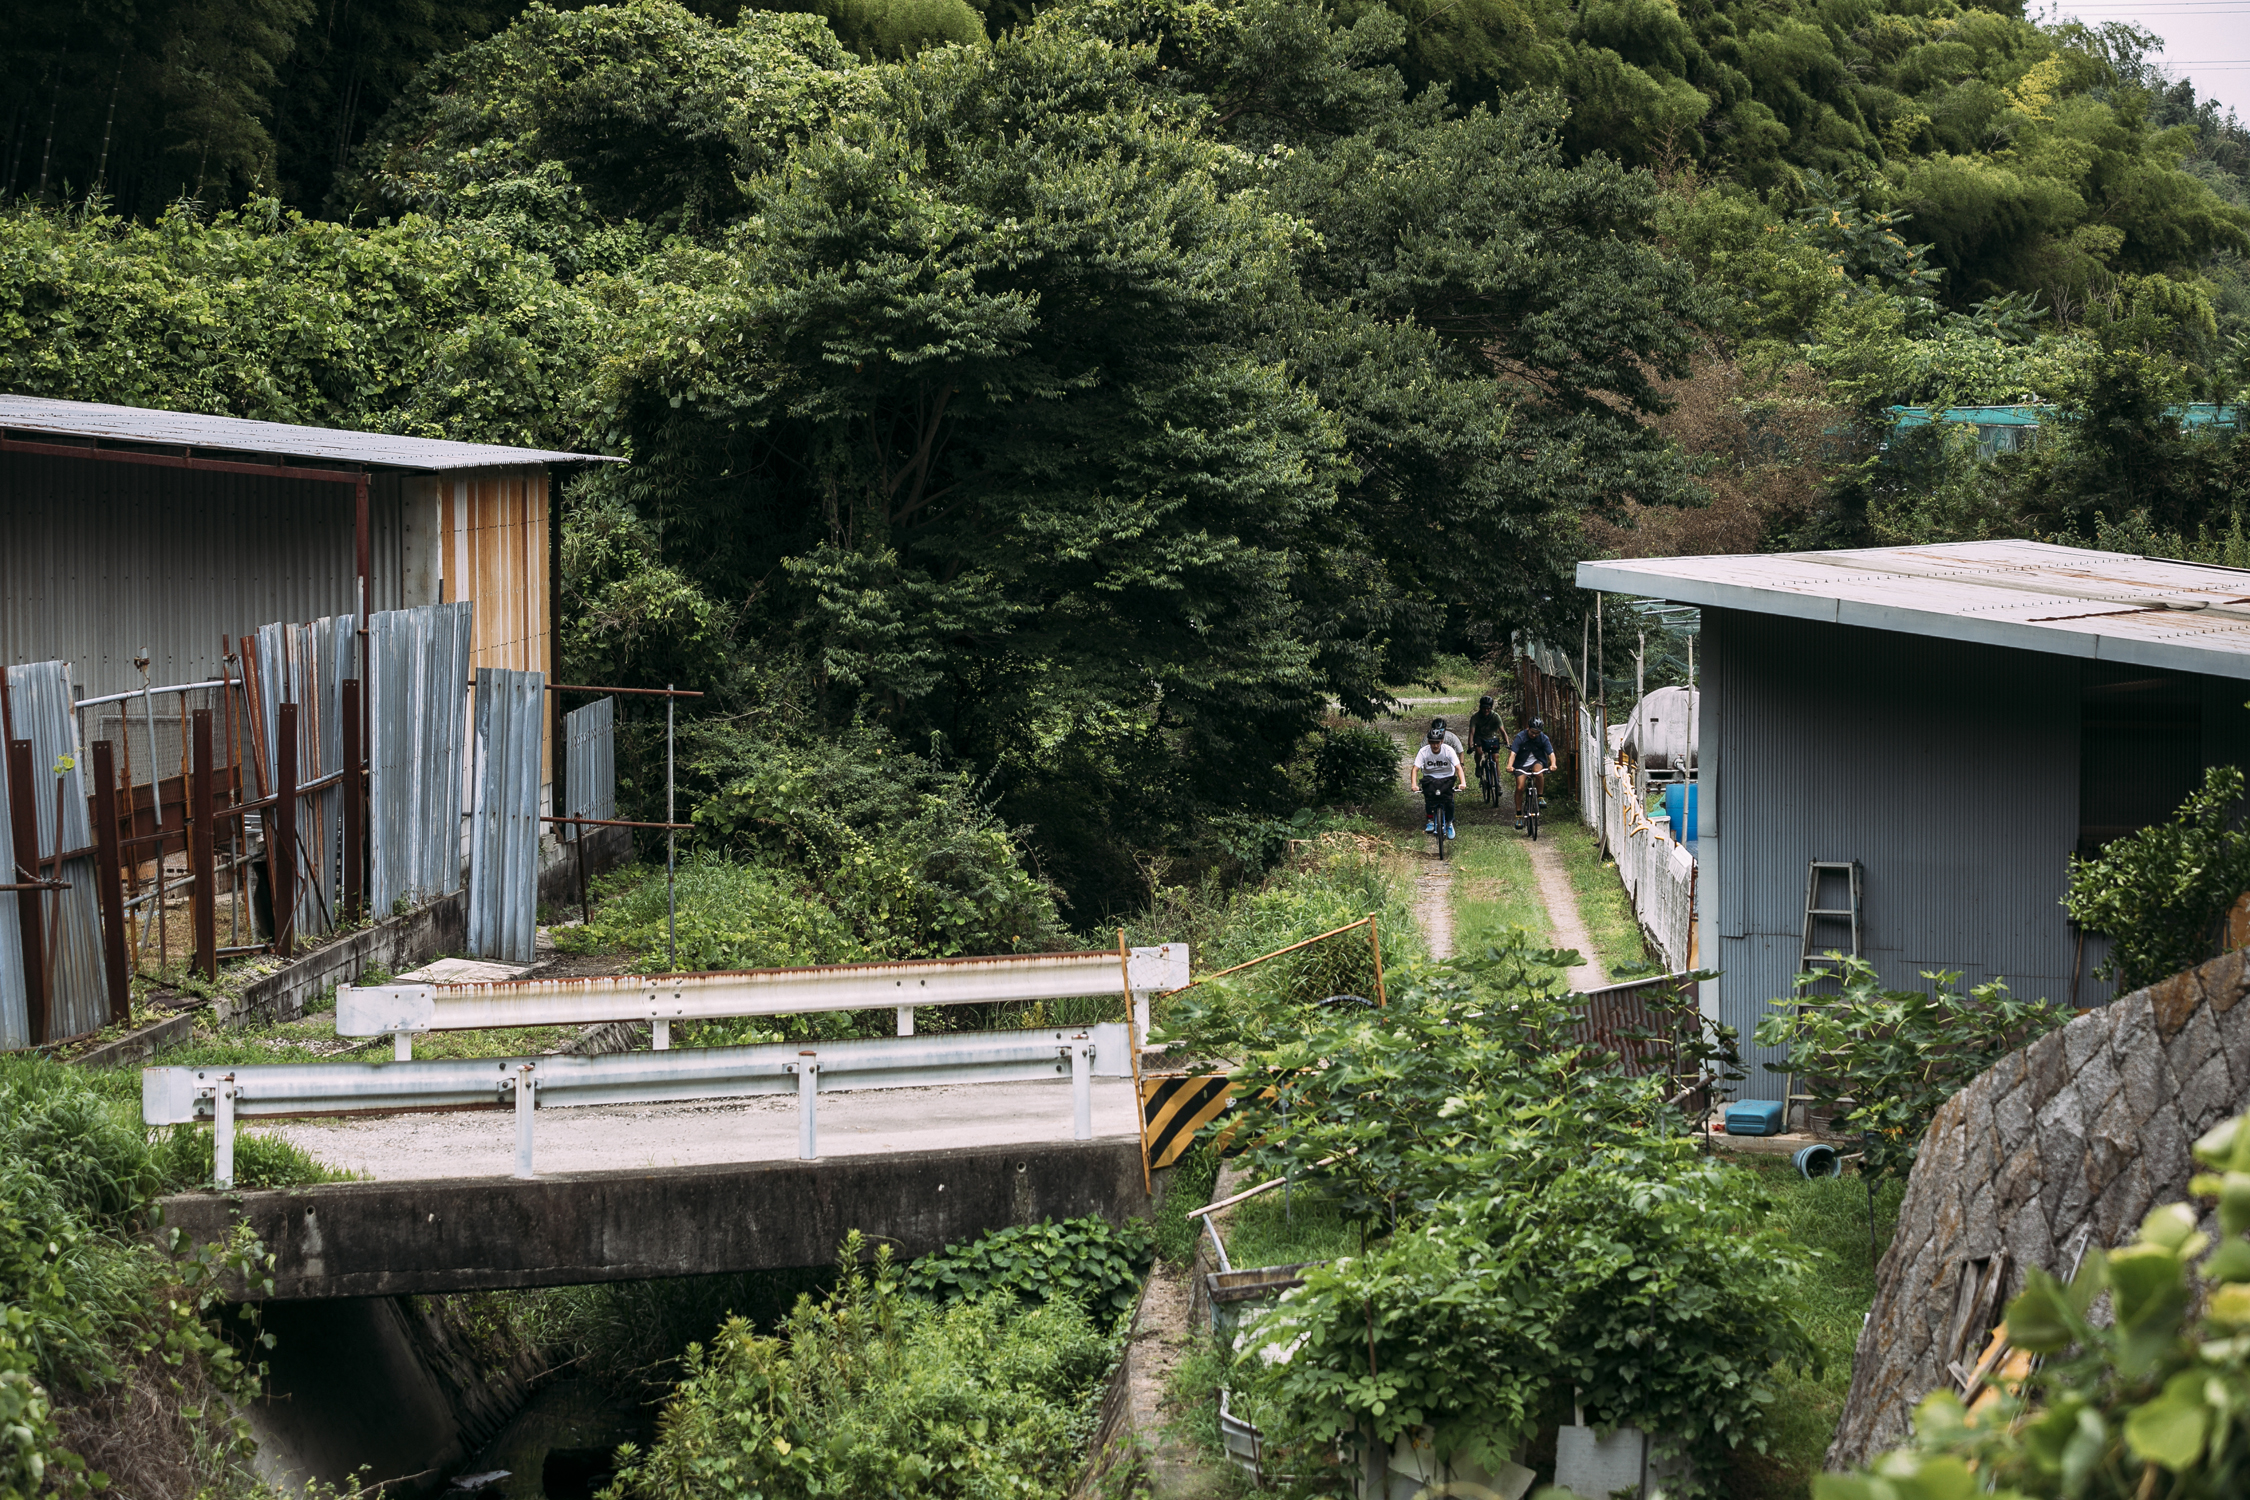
(214,435)
(2069,601)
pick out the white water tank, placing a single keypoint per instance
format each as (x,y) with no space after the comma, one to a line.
(1661,734)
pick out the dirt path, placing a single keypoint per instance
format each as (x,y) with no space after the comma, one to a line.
(1562,913)
(1433,886)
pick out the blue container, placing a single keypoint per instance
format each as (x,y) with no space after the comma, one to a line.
(1817,1161)
(1679,806)
(1754,1117)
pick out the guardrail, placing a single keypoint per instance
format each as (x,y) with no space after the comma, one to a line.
(403,1009)
(184,1096)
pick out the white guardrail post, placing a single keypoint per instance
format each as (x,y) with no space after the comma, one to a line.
(808,1106)
(1081,1089)
(525,1104)
(222,1133)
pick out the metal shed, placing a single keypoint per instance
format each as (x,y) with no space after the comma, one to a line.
(1953,720)
(124,529)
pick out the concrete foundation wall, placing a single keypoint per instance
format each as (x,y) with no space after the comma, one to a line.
(368,1239)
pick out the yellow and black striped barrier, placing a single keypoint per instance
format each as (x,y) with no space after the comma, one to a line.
(1175,1108)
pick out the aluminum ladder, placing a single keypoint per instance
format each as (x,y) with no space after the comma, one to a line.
(1824,925)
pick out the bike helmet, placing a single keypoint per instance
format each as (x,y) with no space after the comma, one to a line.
(1539,726)
(1484,703)
(1436,735)
(1438,724)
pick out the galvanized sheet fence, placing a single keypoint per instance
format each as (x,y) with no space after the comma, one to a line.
(307,665)
(1658,872)
(40,709)
(504,826)
(417,705)
(590,764)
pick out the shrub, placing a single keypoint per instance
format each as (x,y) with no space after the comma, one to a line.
(869,1391)
(2153,1399)
(1354,763)
(1087,1261)
(1882,1061)
(2162,894)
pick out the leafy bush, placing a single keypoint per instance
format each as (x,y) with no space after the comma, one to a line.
(2151,1400)
(1540,1223)
(869,1391)
(1087,1261)
(1354,763)
(1882,1061)
(86,1301)
(2162,894)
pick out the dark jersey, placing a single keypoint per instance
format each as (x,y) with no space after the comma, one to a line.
(1485,728)
(1530,750)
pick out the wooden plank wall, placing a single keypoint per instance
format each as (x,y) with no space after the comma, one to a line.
(493,531)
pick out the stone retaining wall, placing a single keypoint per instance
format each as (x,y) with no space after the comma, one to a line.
(2065,1144)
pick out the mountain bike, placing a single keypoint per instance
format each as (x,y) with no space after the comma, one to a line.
(1488,776)
(1531,801)
(1437,810)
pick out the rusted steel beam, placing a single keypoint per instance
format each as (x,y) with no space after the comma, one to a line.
(178,461)
(281,831)
(109,883)
(355,801)
(23,825)
(203,864)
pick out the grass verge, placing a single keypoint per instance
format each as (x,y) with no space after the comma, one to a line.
(1602,903)
(1831,1217)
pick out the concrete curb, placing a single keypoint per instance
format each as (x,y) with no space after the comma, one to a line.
(137,1046)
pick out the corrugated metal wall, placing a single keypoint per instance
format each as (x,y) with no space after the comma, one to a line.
(39,699)
(1949,770)
(99,560)
(504,825)
(418,696)
(493,549)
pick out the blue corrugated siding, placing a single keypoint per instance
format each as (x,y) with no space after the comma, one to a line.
(1950,771)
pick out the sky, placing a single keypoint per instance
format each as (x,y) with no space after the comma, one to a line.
(2206,41)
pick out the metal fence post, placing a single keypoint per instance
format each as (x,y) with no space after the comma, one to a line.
(1081,1089)
(23,816)
(203,863)
(222,1134)
(402,1046)
(524,1107)
(808,1106)
(109,874)
(355,799)
(281,832)
(660,1034)
(906,1020)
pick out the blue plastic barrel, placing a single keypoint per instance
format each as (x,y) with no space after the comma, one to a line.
(1679,806)
(1818,1161)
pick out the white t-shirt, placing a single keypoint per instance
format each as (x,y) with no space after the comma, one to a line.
(1440,761)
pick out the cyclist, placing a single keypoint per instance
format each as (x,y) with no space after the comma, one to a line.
(1437,771)
(1484,733)
(1529,754)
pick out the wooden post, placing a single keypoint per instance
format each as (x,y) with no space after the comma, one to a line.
(203,863)
(23,823)
(355,804)
(109,878)
(281,832)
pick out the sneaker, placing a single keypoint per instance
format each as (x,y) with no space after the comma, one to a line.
(1449,833)
(1519,823)
(1430,826)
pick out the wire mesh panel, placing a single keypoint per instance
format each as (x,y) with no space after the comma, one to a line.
(504,825)
(418,689)
(40,704)
(590,767)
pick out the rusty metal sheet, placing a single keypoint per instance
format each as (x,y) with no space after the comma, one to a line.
(504,824)
(418,678)
(306,665)
(40,701)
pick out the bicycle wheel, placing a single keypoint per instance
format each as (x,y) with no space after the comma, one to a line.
(1531,812)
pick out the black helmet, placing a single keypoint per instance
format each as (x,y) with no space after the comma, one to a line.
(1540,725)
(1438,724)
(1485,702)
(1436,735)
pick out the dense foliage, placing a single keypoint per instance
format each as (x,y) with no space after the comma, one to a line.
(1088,1261)
(870,1390)
(1539,1224)
(2162,895)
(1880,1061)
(95,1316)
(2151,1397)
